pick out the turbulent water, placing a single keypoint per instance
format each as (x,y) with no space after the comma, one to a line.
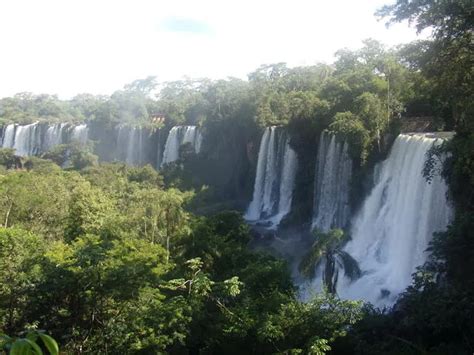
(392,230)
(275,178)
(178,136)
(332,180)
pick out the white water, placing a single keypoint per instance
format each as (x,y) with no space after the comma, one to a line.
(26,140)
(178,136)
(392,230)
(274,180)
(34,139)
(53,136)
(80,134)
(8,136)
(130,145)
(332,182)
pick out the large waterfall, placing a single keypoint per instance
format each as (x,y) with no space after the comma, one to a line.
(178,136)
(332,181)
(275,177)
(392,230)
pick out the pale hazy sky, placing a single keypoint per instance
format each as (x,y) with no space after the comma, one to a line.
(67,47)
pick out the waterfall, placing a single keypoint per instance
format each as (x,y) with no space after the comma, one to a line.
(274,180)
(131,147)
(80,134)
(332,182)
(53,136)
(392,230)
(36,138)
(178,136)
(9,136)
(26,139)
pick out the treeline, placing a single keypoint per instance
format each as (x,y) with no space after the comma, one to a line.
(363,96)
(360,95)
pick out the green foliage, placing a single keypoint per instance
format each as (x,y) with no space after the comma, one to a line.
(116,264)
(9,160)
(310,327)
(28,345)
(351,127)
(72,155)
(20,254)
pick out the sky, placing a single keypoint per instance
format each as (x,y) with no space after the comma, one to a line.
(66,47)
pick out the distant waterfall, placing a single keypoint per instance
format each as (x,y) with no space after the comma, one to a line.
(134,145)
(36,138)
(178,136)
(392,230)
(26,140)
(332,182)
(8,139)
(54,135)
(131,145)
(80,134)
(275,177)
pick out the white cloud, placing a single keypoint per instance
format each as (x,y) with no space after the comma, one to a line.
(68,47)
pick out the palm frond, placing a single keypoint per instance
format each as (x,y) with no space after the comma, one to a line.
(310,262)
(349,264)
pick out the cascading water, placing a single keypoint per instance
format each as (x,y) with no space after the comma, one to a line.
(133,145)
(36,138)
(130,145)
(80,134)
(392,230)
(332,182)
(54,136)
(26,140)
(274,180)
(178,136)
(9,136)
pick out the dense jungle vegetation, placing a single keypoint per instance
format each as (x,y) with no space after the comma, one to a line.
(108,258)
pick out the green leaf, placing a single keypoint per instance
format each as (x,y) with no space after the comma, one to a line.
(5,339)
(50,344)
(33,336)
(35,347)
(20,347)
(351,267)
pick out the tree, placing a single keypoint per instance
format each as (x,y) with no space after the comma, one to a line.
(448,58)
(327,249)
(374,115)
(20,254)
(9,159)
